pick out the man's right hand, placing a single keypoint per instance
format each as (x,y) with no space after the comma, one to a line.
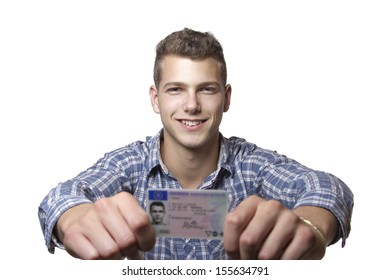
(111,228)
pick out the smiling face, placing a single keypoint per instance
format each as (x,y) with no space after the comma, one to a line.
(191,100)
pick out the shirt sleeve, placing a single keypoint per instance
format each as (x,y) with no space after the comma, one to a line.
(296,185)
(327,191)
(106,178)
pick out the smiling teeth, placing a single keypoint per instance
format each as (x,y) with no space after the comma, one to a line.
(191,123)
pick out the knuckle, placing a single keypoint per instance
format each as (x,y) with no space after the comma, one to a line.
(71,233)
(274,205)
(265,255)
(91,255)
(110,252)
(233,219)
(248,241)
(102,205)
(140,223)
(125,240)
(307,236)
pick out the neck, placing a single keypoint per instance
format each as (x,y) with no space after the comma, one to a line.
(190,166)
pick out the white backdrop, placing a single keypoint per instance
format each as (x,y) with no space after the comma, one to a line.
(309,80)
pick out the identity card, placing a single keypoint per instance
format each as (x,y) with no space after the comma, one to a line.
(187,213)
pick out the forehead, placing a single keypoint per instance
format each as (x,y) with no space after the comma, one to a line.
(157,207)
(187,70)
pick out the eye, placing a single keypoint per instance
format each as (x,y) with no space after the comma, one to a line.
(174,90)
(209,90)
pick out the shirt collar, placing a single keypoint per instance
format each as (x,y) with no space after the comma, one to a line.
(156,160)
(224,153)
(155,157)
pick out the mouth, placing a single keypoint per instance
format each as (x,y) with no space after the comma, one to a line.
(191,123)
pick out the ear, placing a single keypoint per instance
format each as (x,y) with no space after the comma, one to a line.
(228,93)
(154,99)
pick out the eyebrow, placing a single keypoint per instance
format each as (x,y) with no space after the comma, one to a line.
(180,84)
(211,83)
(176,84)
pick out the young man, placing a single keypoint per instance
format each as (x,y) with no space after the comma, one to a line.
(157,212)
(278,208)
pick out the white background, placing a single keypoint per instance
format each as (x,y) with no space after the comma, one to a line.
(309,80)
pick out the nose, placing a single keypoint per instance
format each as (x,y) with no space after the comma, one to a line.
(191,104)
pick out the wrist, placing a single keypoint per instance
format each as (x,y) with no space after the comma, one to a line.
(315,229)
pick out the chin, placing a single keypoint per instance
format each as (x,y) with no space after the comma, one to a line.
(194,144)
(192,140)
(191,145)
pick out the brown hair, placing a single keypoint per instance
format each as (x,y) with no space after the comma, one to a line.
(191,44)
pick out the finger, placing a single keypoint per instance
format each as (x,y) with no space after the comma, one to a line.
(88,239)
(80,247)
(116,226)
(235,223)
(279,237)
(138,222)
(304,245)
(96,232)
(259,228)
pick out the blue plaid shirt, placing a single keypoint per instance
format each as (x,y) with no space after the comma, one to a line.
(243,170)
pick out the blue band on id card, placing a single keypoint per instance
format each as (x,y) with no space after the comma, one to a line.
(187,213)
